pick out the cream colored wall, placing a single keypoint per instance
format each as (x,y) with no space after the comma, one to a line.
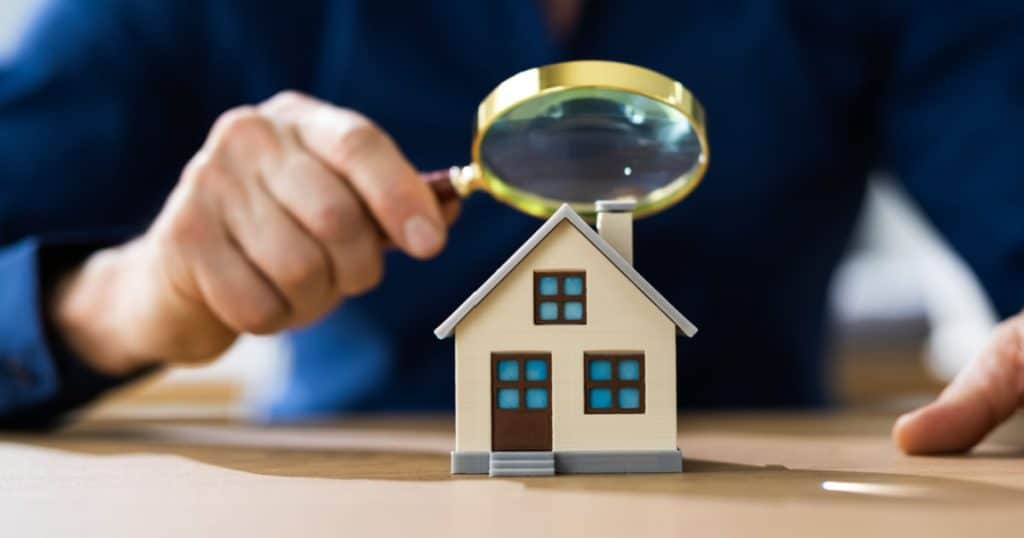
(619,317)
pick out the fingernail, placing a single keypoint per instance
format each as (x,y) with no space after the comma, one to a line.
(422,236)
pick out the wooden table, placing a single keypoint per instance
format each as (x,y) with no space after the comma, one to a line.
(746,474)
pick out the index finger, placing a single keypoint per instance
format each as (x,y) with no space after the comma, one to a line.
(355,148)
(983,395)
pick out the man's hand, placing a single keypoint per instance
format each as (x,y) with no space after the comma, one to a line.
(284,212)
(987,392)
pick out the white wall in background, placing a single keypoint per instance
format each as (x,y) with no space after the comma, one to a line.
(901,268)
(13,14)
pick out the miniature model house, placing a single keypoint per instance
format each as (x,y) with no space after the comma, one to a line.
(565,358)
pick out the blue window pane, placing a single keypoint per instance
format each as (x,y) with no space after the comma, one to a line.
(537,398)
(508,370)
(508,398)
(573,285)
(548,311)
(600,370)
(601,398)
(629,370)
(574,311)
(629,398)
(536,370)
(548,285)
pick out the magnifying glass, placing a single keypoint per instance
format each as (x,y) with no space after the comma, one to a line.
(583,131)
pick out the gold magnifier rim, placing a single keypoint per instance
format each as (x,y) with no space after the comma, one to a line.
(578,74)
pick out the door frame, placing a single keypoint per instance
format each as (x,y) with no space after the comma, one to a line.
(521,429)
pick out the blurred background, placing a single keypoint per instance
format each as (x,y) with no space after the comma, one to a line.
(906,312)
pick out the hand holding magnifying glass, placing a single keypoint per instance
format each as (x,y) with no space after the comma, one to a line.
(270,228)
(579,132)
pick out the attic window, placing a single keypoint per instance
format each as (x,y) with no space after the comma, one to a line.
(559,298)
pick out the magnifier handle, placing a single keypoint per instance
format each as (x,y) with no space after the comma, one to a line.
(440,181)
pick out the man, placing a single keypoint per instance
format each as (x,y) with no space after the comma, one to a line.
(150,216)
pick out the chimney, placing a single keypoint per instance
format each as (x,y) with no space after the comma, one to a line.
(615,225)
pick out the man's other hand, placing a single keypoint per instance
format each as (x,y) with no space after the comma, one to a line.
(985,393)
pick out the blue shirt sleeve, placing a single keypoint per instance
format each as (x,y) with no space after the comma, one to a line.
(96,124)
(39,378)
(953,130)
(28,373)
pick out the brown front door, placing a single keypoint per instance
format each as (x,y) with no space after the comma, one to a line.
(521,401)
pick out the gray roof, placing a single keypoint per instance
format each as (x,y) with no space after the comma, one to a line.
(565,213)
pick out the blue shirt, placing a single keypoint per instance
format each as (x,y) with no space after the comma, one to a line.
(105,100)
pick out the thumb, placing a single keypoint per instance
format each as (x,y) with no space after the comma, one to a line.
(983,395)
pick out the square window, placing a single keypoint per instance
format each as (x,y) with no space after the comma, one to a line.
(536,398)
(508,398)
(600,370)
(573,311)
(536,370)
(508,370)
(559,297)
(629,370)
(548,285)
(613,382)
(601,398)
(629,398)
(549,311)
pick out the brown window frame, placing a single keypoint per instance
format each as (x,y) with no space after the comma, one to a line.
(614,383)
(521,384)
(560,299)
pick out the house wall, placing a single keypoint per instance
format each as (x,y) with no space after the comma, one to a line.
(619,317)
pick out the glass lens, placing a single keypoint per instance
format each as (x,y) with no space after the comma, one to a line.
(582,145)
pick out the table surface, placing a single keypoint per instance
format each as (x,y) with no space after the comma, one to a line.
(759,474)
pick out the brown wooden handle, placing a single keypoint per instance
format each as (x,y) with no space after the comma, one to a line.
(440,181)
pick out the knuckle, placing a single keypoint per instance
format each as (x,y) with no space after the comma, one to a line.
(359,138)
(327,222)
(183,226)
(286,99)
(338,221)
(205,180)
(183,231)
(236,120)
(203,172)
(244,125)
(301,270)
(262,316)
